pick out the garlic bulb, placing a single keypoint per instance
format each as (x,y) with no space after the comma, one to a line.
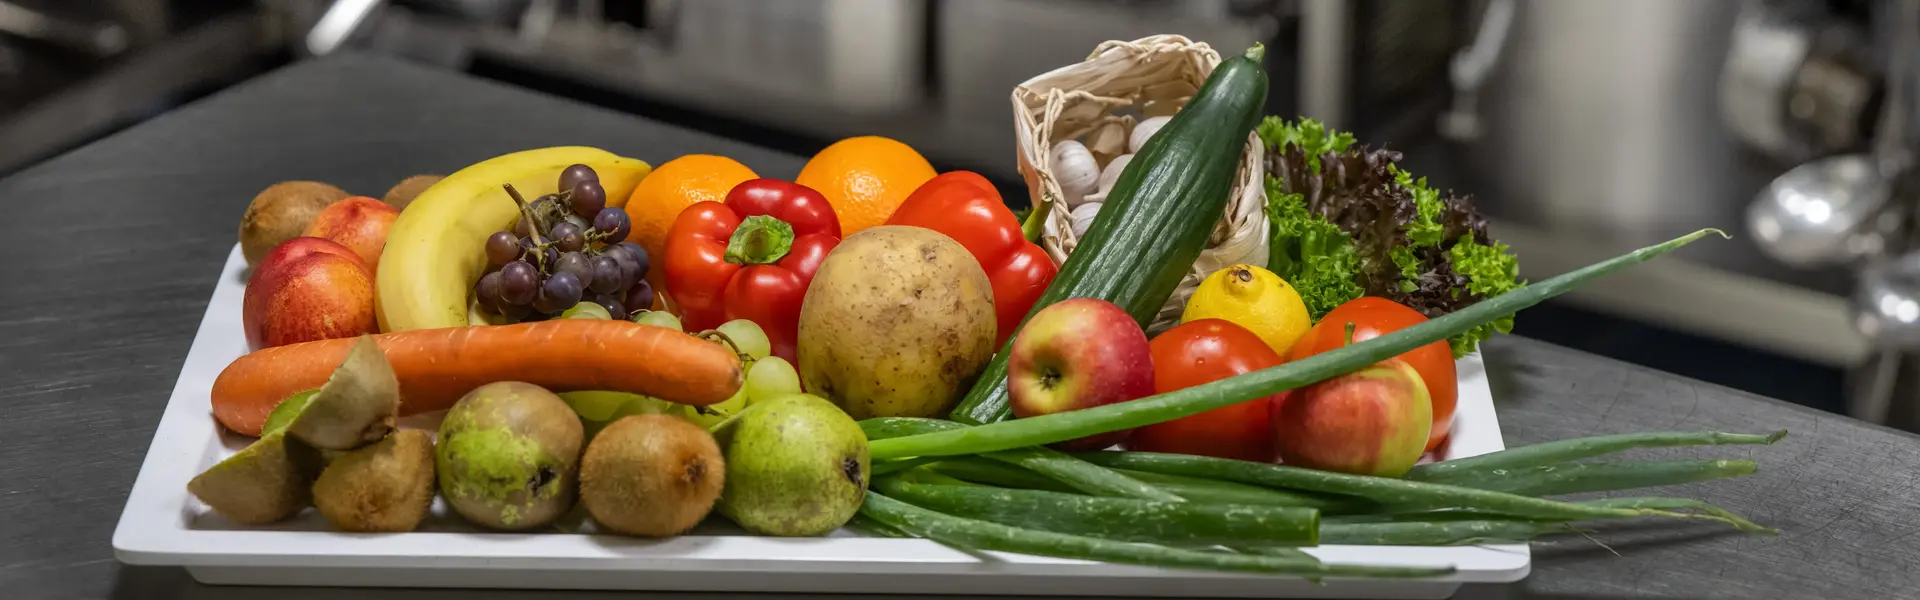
(1144,131)
(1111,174)
(1075,170)
(1083,218)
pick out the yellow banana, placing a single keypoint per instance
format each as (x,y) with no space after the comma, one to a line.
(436,250)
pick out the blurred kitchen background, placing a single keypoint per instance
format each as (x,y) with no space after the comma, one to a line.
(1584,127)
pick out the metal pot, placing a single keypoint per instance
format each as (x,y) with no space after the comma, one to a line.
(1601,115)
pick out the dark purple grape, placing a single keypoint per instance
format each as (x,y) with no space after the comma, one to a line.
(606,275)
(575,174)
(642,261)
(563,289)
(526,248)
(487,291)
(569,237)
(613,223)
(517,311)
(623,258)
(552,256)
(640,297)
(502,248)
(588,198)
(578,221)
(576,263)
(612,304)
(518,281)
(523,228)
(544,303)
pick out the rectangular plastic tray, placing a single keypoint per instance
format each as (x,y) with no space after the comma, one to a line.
(164,525)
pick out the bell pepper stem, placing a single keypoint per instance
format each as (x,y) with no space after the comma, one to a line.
(760,240)
(1036,222)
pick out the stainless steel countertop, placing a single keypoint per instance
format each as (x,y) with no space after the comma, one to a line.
(115,247)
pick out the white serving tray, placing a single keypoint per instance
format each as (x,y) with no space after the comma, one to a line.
(164,525)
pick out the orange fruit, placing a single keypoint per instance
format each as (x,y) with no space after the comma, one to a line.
(865,179)
(671,188)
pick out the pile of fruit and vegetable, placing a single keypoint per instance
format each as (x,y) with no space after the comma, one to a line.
(879,345)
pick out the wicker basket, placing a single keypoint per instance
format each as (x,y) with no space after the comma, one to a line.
(1097,102)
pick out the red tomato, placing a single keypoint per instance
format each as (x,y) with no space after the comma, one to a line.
(1372,317)
(1200,352)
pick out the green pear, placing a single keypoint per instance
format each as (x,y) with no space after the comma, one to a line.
(796,466)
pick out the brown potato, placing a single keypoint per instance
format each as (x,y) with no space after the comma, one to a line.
(897,323)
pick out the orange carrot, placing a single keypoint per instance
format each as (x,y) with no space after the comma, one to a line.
(438,366)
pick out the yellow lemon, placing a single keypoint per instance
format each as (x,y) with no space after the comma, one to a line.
(1253,298)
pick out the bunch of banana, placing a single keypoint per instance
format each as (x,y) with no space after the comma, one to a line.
(436,250)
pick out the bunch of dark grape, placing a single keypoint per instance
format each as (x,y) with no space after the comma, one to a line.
(555,257)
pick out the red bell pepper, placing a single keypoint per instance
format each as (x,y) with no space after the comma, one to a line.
(750,258)
(966,207)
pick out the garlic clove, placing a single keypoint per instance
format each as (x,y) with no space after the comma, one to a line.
(1111,174)
(1144,131)
(1082,217)
(1075,170)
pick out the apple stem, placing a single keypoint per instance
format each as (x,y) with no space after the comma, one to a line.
(1349,333)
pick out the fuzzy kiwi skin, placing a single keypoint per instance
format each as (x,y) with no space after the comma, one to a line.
(356,406)
(651,476)
(403,193)
(282,212)
(384,487)
(266,482)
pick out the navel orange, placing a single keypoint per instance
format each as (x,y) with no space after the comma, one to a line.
(671,188)
(865,178)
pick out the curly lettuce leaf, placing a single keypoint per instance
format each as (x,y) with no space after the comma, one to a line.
(1490,271)
(1313,255)
(1425,228)
(1312,137)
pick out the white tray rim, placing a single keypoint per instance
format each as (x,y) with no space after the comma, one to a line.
(155,526)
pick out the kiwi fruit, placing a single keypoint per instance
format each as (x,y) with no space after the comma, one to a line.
(355,407)
(508,457)
(267,481)
(280,213)
(383,487)
(651,475)
(403,193)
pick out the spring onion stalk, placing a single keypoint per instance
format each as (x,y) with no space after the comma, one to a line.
(1059,427)
(1547,453)
(984,535)
(1123,519)
(1394,494)
(1575,478)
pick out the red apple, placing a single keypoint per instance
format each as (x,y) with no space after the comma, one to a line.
(315,297)
(1373,421)
(1079,353)
(298,248)
(359,223)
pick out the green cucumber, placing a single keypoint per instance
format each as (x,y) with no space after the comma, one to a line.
(1156,219)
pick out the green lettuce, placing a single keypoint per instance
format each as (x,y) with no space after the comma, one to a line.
(1346,221)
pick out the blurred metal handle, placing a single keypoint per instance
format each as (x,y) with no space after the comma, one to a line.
(97,39)
(1894,148)
(1470,68)
(338,24)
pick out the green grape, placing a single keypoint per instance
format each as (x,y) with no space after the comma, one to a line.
(713,414)
(658,318)
(586,310)
(599,409)
(770,378)
(748,337)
